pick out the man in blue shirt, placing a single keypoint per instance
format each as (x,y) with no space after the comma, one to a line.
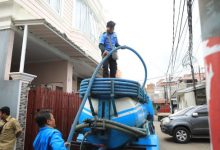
(48,138)
(108,41)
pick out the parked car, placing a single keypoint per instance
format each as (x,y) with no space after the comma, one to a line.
(188,123)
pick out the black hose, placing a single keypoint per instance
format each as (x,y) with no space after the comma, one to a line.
(130,131)
(85,135)
(110,127)
(122,126)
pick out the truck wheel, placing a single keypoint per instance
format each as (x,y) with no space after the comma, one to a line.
(181,135)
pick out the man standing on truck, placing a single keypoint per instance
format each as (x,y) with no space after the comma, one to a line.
(108,41)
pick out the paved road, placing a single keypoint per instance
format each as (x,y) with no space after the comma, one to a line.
(166,142)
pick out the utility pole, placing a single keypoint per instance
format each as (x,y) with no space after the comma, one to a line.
(210,27)
(189,10)
(165,92)
(170,93)
(200,79)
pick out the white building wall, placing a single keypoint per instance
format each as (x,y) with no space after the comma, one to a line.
(63,21)
(52,74)
(190,99)
(186,100)
(74,85)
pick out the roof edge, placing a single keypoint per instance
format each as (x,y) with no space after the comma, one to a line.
(56,31)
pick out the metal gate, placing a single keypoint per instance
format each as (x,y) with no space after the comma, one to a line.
(64,107)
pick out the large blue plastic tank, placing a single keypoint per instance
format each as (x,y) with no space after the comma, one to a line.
(132,111)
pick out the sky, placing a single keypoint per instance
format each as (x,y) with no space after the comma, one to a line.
(146,26)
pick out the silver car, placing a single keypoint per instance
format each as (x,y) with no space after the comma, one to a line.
(188,123)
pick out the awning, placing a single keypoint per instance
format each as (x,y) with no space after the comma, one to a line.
(43,30)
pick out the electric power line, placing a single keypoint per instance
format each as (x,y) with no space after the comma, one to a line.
(189,10)
(180,35)
(164,76)
(179,38)
(173,37)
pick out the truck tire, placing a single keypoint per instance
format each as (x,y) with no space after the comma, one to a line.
(181,135)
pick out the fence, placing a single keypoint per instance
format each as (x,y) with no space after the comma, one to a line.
(64,107)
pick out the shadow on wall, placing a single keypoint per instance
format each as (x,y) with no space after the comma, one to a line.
(9,95)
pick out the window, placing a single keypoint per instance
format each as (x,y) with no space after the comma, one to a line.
(55,5)
(201,96)
(203,112)
(85,20)
(184,111)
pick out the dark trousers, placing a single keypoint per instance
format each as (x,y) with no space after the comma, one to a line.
(112,65)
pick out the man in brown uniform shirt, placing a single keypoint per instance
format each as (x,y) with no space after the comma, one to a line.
(10,129)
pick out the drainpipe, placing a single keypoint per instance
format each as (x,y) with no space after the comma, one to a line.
(23,50)
(210,27)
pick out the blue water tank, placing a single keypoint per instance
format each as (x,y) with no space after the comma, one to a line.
(132,108)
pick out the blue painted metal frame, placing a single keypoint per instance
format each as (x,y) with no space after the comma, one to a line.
(151,142)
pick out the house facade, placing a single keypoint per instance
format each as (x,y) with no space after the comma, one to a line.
(186,97)
(179,91)
(49,43)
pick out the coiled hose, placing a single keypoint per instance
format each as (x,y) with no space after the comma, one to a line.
(91,81)
(102,88)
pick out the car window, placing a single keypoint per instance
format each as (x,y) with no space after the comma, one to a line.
(189,112)
(183,111)
(202,112)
